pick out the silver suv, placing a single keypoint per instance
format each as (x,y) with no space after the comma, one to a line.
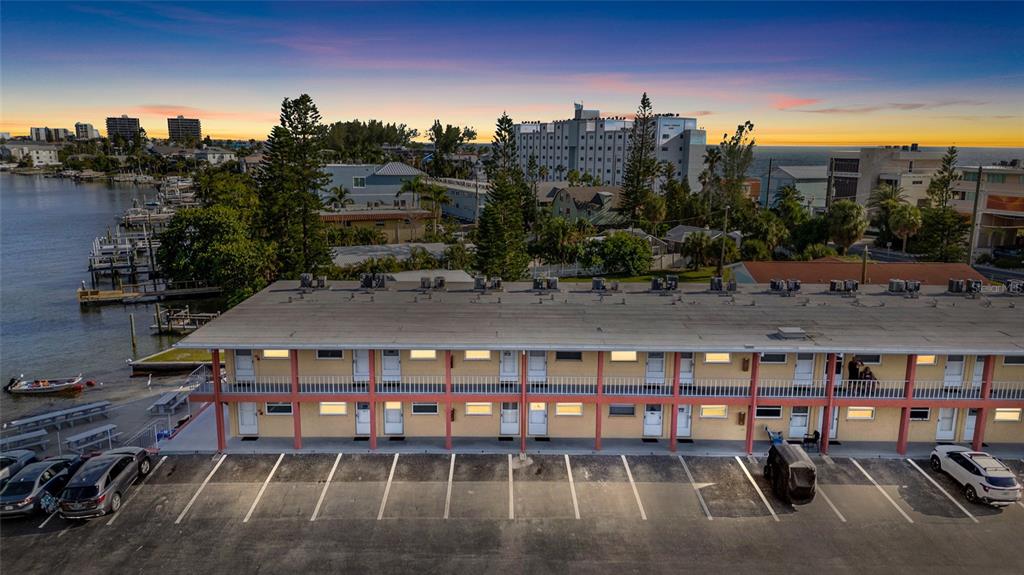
(984,478)
(101,483)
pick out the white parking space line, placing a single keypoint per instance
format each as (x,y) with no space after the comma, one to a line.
(136,492)
(263,488)
(511,497)
(387,488)
(47,520)
(830,504)
(636,494)
(572,487)
(828,460)
(200,490)
(700,498)
(944,492)
(759,493)
(323,493)
(448,495)
(882,491)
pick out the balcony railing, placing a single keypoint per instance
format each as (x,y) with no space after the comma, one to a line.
(944,390)
(326,384)
(411,384)
(1007,390)
(636,386)
(562,385)
(716,388)
(484,384)
(790,388)
(871,389)
(258,384)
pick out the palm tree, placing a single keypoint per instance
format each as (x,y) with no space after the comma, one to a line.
(905,221)
(559,170)
(543,172)
(770,229)
(432,193)
(573,177)
(846,223)
(697,247)
(788,194)
(886,194)
(654,211)
(338,197)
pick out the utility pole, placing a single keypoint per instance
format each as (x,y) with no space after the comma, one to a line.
(974,219)
(725,238)
(828,185)
(768,184)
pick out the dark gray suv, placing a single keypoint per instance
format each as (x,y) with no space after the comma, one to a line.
(100,485)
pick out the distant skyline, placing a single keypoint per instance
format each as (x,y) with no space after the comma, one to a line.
(805,74)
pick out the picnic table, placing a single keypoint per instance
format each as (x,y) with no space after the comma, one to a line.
(168,403)
(55,419)
(104,433)
(30,439)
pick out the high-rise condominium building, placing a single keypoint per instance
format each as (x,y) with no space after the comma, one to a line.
(599,146)
(182,129)
(127,128)
(86,132)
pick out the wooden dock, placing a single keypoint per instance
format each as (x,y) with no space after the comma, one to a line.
(147,292)
(179,321)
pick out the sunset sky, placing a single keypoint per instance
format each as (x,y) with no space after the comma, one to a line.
(805,74)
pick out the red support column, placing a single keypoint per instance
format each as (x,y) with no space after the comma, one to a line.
(524,409)
(908,396)
(826,417)
(372,359)
(448,399)
(293,356)
(218,409)
(986,393)
(674,418)
(755,368)
(600,394)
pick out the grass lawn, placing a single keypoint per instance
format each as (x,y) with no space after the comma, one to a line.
(174,354)
(699,275)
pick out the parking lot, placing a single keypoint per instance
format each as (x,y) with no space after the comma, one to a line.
(544,512)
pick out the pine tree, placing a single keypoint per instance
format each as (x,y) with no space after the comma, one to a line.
(289,180)
(501,236)
(641,165)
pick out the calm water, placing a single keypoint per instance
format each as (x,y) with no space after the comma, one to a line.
(815,155)
(46,230)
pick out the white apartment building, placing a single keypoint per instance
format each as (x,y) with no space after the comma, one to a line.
(41,154)
(37,134)
(86,132)
(591,144)
(1000,202)
(856,173)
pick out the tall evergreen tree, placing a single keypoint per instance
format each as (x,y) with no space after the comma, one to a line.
(289,180)
(641,164)
(944,231)
(501,237)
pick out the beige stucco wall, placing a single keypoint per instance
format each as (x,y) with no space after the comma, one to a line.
(491,367)
(477,425)
(1003,372)
(731,370)
(884,427)
(1003,431)
(704,428)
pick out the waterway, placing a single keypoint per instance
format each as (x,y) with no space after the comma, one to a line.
(46,230)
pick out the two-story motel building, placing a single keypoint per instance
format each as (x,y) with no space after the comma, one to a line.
(627,362)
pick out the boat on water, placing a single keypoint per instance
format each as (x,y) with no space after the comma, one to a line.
(20,385)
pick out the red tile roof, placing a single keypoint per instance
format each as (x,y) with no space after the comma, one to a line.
(821,271)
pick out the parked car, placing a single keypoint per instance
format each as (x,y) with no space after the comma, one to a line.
(984,478)
(100,484)
(37,485)
(11,463)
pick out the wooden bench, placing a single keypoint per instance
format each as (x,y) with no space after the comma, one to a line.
(168,403)
(98,435)
(30,439)
(86,412)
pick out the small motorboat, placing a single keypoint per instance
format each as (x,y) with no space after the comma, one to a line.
(22,386)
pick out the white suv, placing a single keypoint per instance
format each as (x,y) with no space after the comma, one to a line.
(983,477)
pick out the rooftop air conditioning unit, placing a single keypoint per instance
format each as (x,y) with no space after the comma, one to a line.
(731,285)
(494,284)
(836,286)
(321,282)
(425,283)
(306,281)
(672,282)
(777,285)
(540,283)
(553,284)
(1015,287)
(657,284)
(366,281)
(973,286)
(716,283)
(479,283)
(793,285)
(913,286)
(440,283)
(897,286)
(956,286)
(597,284)
(851,285)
